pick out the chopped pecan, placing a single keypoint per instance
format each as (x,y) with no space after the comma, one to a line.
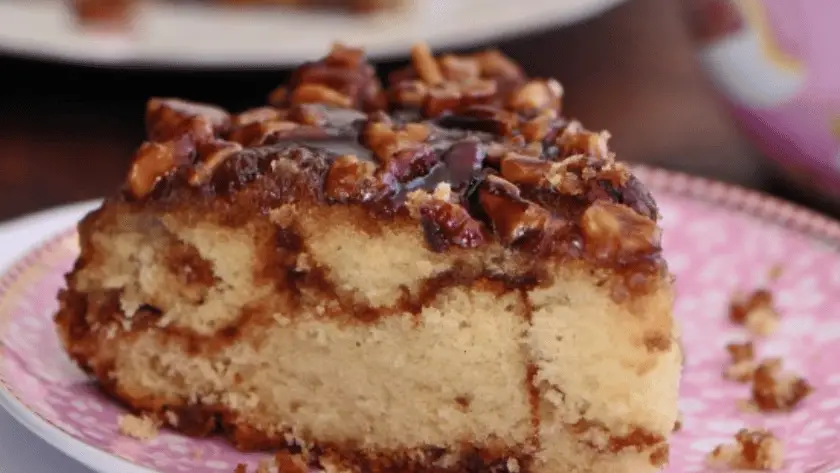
(425,64)
(577,140)
(211,156)
(343,79)
(614,231)
(345,56)
(257,133)
(256,115)
(350,178)
(168,118)
(538,128)
(521,169)
(460,68)
(513,217)
(409,162)
(494,64)
(444,223)
(317,93)
(410,93)
(442,98)
(152,162)
(537,95)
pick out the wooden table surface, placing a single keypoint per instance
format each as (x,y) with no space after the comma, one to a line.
(66,132)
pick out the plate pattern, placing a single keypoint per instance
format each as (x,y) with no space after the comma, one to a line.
(718,239)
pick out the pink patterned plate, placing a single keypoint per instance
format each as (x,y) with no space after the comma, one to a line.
(718,239)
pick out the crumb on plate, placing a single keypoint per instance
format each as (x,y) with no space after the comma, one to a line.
(774,390)
(743,363)
(755,311)
(139,427)
(753,450)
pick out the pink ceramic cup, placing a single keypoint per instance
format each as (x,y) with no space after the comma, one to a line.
(777,65)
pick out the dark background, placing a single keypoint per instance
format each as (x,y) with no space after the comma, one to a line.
(67,132)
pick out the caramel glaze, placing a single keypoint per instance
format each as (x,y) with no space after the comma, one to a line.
(521,178)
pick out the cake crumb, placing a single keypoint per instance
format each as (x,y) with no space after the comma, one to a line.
(140,427)
(678,424)
(241,468)
(755,311)
(776,391)
(756,450)
(775,272)
(743,363)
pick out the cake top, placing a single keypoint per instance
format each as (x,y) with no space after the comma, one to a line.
(467,145)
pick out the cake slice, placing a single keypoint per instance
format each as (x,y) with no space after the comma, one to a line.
(438,275)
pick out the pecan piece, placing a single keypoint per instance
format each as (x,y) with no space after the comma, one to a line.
(614,231)
(318,93)
(211,156)
(410,93)
(256,115)
(152,162)
(351,178)
(460,68)
(537,95)
(257,133)
(442,98)
(425,64)
(521,169)
(444,223)
(513,217)
(168,118)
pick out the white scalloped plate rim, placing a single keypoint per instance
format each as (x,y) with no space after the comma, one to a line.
(201,36)
(734,198)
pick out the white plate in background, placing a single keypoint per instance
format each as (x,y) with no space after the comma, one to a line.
(195,35)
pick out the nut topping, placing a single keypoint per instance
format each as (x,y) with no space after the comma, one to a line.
(614,231)
(410,93)
(317,93)
(349,178)
(425,64)
(537,95)
(444,223)
(152,162)
(256,115)
(213,154)
(460,68)
(256,134)
(524,169)
(494,64)
(443,97)
(513,218)
(167,119)
(465,143)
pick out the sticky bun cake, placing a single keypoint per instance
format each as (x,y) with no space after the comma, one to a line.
(442,274)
